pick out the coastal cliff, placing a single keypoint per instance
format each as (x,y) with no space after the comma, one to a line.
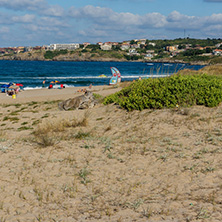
(70,56)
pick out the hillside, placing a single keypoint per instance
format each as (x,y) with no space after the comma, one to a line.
(69,56)
(113,55)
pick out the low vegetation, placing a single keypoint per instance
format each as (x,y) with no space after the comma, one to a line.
(52,54)
(47,133)
(177,90)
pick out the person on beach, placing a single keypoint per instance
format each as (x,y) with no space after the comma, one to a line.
(82,90)
(50,86)
(17,90)
(43,84)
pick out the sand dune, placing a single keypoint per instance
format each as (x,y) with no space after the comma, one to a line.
(107,164)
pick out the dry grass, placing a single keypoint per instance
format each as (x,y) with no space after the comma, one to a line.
(210,70)
(60,125)
(125,84)
(49,132)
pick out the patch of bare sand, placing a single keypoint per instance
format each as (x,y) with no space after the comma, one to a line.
(45,94)
(154,165)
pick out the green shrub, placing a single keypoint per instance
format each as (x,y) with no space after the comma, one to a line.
(116,55)
(52,54)
(184,90)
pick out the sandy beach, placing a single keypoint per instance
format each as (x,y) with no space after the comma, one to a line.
(46,94)
(107,164)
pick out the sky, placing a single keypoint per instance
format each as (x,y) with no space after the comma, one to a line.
(44,22)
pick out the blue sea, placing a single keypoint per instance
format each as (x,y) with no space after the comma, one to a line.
(32,73)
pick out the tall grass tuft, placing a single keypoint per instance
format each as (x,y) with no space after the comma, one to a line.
(45,140)
(46,134)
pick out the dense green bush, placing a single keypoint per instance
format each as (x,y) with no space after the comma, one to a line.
(132,57)
(194,58)
(182,90)
(117,55)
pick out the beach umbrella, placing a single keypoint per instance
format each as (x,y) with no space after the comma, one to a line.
(19,84)
(4,86)
(54,82)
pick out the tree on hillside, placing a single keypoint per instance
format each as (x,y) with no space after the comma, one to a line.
(132,42)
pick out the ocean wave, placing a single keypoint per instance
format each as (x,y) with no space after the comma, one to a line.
(31,88)
(96,77)
(167,64)
(64,77)
(37,87)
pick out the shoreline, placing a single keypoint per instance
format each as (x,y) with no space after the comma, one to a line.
(45,94)
(108,60)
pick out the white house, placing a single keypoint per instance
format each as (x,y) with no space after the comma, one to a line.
(106,47)
(217,52)
(125,46)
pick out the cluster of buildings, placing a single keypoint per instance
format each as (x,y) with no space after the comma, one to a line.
(174,50)
(71,46)
(20,49)
(130,46)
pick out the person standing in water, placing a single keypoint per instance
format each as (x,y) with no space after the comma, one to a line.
(43,84)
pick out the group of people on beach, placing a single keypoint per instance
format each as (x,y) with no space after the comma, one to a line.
(11,89)
(52,85)
(84,89)
(55,85)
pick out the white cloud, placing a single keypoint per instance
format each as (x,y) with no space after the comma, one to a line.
(45,25)
(106,16)
(90,11)
(214,28)
(124,18)
(41,7)
(179,21)
(100,20)
(23,19)
(4,30)
(177,17)
(53,11)
(214,18)
(40,29)
(52,23)
(155,20)
(22,5)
